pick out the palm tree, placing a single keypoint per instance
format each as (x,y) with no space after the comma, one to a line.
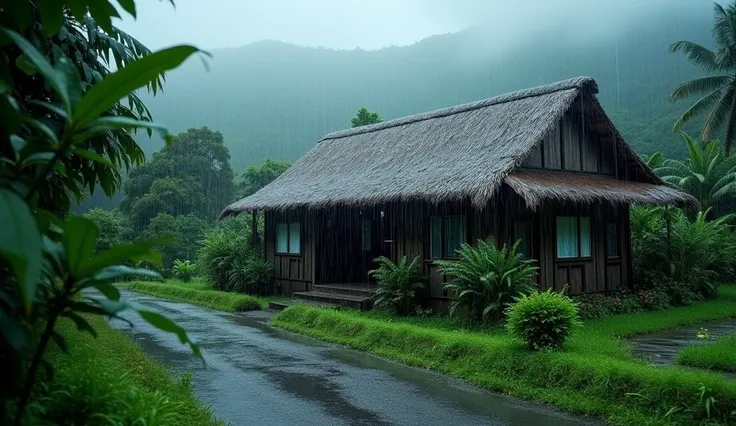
(719,90)
(707,174)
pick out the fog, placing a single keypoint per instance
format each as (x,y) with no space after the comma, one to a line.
(349,24)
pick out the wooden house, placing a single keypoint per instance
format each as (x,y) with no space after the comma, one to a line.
(544,165)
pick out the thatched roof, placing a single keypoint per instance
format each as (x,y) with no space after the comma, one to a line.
(535,186)
(454,153)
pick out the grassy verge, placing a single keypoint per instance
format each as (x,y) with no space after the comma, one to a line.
(220,300)
(109,380)
(714,356)
(596,375)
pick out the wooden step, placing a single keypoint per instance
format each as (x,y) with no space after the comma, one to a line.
(348,300)
(353,290)
(280,305)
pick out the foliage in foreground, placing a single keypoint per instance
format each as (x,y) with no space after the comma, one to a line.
(220,300)
(542,320)
(62,138)
(398,284)
(596,376)
(720,355)
(486,279)
(109,380)
(183,270)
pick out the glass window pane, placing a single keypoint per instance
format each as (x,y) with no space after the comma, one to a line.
(523,234)
(612,240)
(367,234)
(454,234)
(294,238)
(282,238)
(584,237)
(436,237)
(567,236)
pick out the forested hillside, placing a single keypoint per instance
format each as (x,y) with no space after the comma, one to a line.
(275,100)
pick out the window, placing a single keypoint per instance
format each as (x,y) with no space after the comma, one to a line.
(366,233)
(447,234)
(612,249)
(523,234)
(573,237)
(288,238)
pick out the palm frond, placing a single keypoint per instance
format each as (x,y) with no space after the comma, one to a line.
(714,120)
(699,106)
(697,54)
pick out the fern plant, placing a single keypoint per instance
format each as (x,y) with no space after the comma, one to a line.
(398,284)
(183,269)
(254,276)
(485,278)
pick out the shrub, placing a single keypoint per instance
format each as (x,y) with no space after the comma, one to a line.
(397,284)
(184,270)
(543,320)
(223,251)
(485,279)
(254,276)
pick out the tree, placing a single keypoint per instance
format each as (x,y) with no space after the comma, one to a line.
(110,224)
(258,176)
(187,230)
(719,89)
(193,175)
(365,117)
(707,174)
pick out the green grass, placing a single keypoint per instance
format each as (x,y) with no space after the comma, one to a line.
(195,294)
(720,355)
(596,375)
(111,376)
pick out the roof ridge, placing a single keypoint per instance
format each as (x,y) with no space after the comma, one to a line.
(568,84)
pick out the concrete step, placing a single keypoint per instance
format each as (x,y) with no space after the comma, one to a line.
(280,305)
(350,301)
(353,290)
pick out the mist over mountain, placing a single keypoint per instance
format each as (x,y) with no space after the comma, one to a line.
(275,100)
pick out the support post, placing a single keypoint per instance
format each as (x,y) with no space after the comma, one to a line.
(254,230)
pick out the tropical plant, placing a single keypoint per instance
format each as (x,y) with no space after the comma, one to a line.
(543,320)
(707,174)
(398,284)
(225,249)
(63,137)
(183,270)
(110,224)
(254,276)
(719,90)
(485,278)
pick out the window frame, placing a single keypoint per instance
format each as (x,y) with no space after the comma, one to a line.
(288,251)
(615,225)
(444,219)
(516,238)
(363,222)
(579,257)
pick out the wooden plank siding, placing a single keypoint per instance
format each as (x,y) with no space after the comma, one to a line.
(331,239)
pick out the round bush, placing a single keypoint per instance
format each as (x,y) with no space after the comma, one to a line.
(543,320)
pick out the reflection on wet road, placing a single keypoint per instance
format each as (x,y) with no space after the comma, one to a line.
(255,374)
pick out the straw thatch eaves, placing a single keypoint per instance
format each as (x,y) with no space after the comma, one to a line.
(535,186)
(460,152)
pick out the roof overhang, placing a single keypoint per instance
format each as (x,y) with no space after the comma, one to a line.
(537,186)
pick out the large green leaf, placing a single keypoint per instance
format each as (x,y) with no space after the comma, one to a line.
(42,65)
(118,272)
(20,244)
(121,253)
(80,235)
(135,75)
(105,124)
(93,156)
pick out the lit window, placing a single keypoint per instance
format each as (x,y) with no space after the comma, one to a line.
(288,238)
(573,237)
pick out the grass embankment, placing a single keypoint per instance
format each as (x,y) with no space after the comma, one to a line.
(197,293)
(720,355)
(596,375)
(109,380)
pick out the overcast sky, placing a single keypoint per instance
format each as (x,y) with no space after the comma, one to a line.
(372,24)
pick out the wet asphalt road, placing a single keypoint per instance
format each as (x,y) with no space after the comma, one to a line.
(258,375)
